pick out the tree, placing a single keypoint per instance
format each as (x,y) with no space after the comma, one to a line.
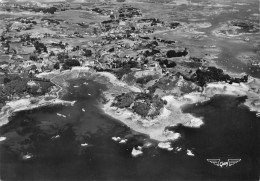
(124,100)
(56,66)
(33,57)
(52,53)
(70,63)
(144,80)
(141,108)
(16,86)
(87,53)
(171,53)
(39,47)
(62,57)
(122,71)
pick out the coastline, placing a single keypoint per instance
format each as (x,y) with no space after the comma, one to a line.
(15,106)
(170,115)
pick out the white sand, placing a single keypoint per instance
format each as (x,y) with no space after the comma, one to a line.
(227,89)
(250,89)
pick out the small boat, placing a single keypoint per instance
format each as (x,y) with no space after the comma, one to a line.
(178,149)
(27,156)
(55,137)
(61,115)
(246,39)
(83,110)
(84,144)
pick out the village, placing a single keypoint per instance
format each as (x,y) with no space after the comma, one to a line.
(122,43)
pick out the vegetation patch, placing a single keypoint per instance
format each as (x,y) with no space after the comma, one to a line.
(144,104)
(144,80)
(213,74)
(124,100)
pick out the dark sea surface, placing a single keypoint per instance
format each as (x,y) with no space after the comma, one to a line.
(230,131)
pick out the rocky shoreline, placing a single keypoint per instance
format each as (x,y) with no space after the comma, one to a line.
(171,114)
(155,128)
(16,106)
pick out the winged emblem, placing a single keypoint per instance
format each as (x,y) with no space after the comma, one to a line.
(214,161)
(228,163)
(233,161)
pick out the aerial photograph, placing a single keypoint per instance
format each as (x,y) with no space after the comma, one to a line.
(154,90)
